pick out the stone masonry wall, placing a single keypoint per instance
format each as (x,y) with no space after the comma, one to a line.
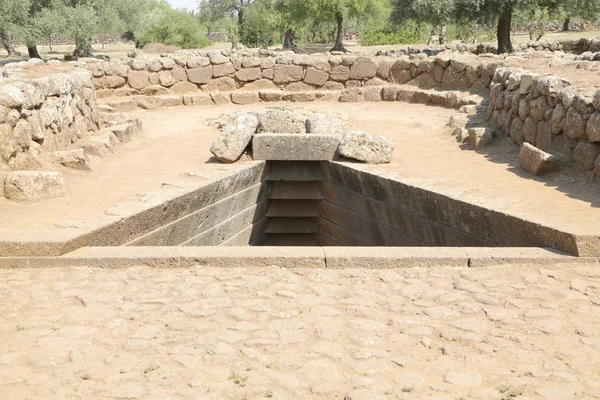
(549,113)
(44,114)
(224,71)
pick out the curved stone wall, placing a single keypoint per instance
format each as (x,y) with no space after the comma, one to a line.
(549,113)
(224,71)
(44,114)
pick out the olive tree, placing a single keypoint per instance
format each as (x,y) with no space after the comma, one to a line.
(338,11)
(437,14)
(13,16)
(500,11)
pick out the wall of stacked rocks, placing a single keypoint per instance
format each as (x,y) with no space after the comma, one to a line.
(42,115)
(224,71)
(549,113)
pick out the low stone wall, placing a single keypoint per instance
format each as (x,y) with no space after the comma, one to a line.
(549,113)
(44,114)
(578,46)
(226,71)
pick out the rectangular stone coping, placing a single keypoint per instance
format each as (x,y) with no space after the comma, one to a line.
(294,147)
(296,257)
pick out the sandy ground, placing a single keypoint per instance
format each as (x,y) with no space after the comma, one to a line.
(176,141)
(204,333)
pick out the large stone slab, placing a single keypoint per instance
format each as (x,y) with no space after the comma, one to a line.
(536,161)
(371,149)
(32,186)
(294,147)
(236,136)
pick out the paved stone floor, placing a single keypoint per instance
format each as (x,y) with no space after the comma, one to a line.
(205,333)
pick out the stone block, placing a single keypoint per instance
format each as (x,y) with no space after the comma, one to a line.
(537,161)
(74,159)
(287,73)
(585,154)
(200,75)
(371,149)
(281,121)
(245,97)
(33,186)
(236,136)
(294,147)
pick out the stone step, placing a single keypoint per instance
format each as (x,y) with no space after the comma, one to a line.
(291,225)
(293,191)
(295,171)
(291,239)
(293,208)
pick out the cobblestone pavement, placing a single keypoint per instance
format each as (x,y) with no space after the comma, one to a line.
(205,333)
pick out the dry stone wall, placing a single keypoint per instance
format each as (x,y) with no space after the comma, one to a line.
(44,114)
(548,113)
(226,71)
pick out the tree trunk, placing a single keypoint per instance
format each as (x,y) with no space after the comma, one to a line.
(288,40)
(33,51)
(240,24)
(339,40)
(50,43)
(566,24)
(503,32)
(442,36)
(83,47)
(7,44)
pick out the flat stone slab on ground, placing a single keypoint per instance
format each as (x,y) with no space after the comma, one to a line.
(32,186)
(294,147)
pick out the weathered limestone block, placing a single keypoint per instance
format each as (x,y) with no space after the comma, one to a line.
(400,72)
(352,95)
(558,118)
(316,77)
(223,84)
(530,130)
(516,130)
(200,75)
(585,154)
(74,159)
(179,73)
(543,140)
(550,85)
(363,68)
(100,145)
(537,161)
(340,73)
(220,70)
(367,148)
(480,137)
(154,90)
(299,87)
(384,67)
(198,62)
(203,99)
(286,147)
(217,58)
(574,124)
(596,100)
(32,186)
(138,79)
(236,135)
(287,73)
(373,93)
(261,84)
(280,121)
(593,127)
(11,96)
(220,98)
(245,97)
(248,74)
(389,93)
(166,78)
(455,79)
(8,144)
(251,62)
(325,125)
(167,63)
(183,87)
(538,107)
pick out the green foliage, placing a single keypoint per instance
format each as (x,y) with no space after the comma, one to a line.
(261,23)
(173,27)
(470,32)
(408,33)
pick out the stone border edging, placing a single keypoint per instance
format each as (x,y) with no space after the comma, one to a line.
(297,257)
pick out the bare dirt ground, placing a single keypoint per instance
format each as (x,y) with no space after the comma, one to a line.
(176,141)
(588,80)
(445,333)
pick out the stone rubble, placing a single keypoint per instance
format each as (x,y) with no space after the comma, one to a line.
(33,186)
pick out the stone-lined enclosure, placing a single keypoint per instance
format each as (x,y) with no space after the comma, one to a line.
(55,112)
